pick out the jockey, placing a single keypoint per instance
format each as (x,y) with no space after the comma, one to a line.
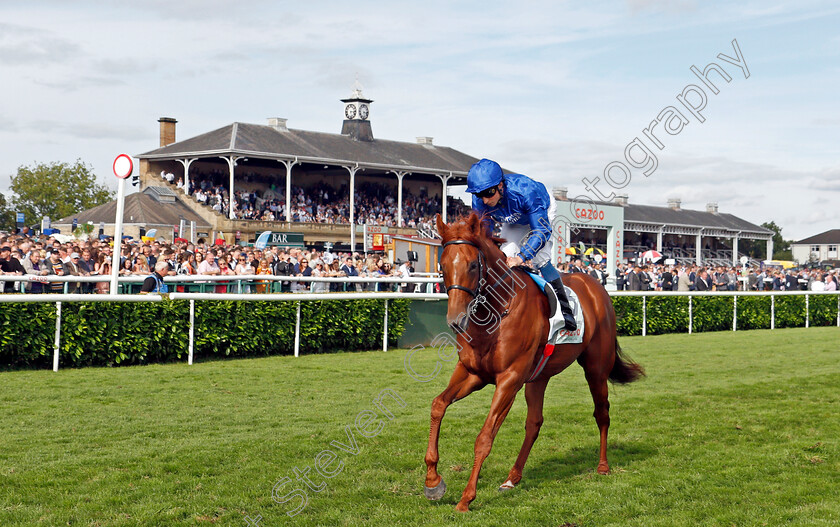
(526,211)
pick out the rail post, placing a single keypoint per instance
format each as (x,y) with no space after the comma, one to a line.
(385,329)
(297,332)
(192,332)
(57,335)
(807,312)
(772,311)
(734,312)
(644,315)
(690,314)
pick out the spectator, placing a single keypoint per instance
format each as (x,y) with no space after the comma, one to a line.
(154,282)
(263,269)
(304,270)
(209,266)
(56,267)
(72,268)
(703,282)
(141,266)
(102,268)
(9,266)
(318,271)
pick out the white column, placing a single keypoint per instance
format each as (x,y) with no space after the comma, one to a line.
(400,175)
(698,258)
(231,161)
(735,261)
(352,171)
(186,164)
(289,164)
(770,249)
(444,179)
(659,240)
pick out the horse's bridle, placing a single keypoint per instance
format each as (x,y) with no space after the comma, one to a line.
(474,292)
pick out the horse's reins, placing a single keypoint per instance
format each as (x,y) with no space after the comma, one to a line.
(476,293)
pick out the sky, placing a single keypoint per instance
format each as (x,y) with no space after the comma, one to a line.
(555,90)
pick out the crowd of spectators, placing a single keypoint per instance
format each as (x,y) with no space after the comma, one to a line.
(374,203)
(655,277)
(44,256)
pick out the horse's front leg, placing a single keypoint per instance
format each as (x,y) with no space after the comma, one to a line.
(503,397)
(461,384)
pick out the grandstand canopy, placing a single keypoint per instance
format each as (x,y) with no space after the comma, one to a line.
(274,142)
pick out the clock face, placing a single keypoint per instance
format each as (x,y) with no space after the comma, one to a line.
(364,111)
(350,111)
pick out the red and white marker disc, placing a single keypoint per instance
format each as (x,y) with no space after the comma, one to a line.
(123,166)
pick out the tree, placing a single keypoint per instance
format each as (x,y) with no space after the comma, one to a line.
(781,247)
(7,217)
(56,190)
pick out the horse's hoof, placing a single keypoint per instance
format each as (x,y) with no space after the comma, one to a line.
(603,469)
(435,493)
(462,508)
(507,485)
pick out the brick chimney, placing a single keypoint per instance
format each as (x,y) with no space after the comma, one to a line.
(674,203)
(167,130)
(621,199)
(425,140)
(712,207)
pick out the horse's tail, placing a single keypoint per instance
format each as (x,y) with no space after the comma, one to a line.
(624,370)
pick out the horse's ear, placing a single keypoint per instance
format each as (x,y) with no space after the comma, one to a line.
(441,227)
(474,222)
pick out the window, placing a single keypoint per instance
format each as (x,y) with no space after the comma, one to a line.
(832,251)
(815,249)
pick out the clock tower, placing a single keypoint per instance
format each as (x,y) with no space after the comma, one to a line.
(356,114)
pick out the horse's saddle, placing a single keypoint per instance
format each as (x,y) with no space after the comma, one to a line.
(558,336)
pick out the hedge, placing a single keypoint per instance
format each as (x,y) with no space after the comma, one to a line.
(669,314)
(106,334)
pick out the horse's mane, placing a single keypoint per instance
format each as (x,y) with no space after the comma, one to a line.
(470,227)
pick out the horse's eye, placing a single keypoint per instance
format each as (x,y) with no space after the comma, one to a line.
(473,266)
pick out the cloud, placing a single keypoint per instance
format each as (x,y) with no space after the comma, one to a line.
(662,6)
(29,46)
(96,131)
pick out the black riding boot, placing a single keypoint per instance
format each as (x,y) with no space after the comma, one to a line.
(565,308)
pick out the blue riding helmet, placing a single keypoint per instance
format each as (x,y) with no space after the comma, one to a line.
(483,175)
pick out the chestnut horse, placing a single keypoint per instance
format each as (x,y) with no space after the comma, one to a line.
(501,320)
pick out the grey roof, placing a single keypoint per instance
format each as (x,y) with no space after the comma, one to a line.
(669,216)
(832,236)
(140,208)
(266,140)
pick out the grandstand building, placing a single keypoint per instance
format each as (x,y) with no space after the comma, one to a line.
(624,231)
(280,164)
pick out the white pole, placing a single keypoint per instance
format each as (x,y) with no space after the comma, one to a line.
(57,334)
(115,259)
(297,332)
(838,311)
(735,313)
(807,311)
(644,316)
(385,329)
(690,314)
(772,312)
(192,331)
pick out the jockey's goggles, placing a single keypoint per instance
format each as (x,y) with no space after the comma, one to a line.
(488,193)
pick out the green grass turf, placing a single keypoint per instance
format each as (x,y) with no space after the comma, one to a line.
(727,429)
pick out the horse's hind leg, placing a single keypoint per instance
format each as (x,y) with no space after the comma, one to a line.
(461,384)
(534,396)
(600,396)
